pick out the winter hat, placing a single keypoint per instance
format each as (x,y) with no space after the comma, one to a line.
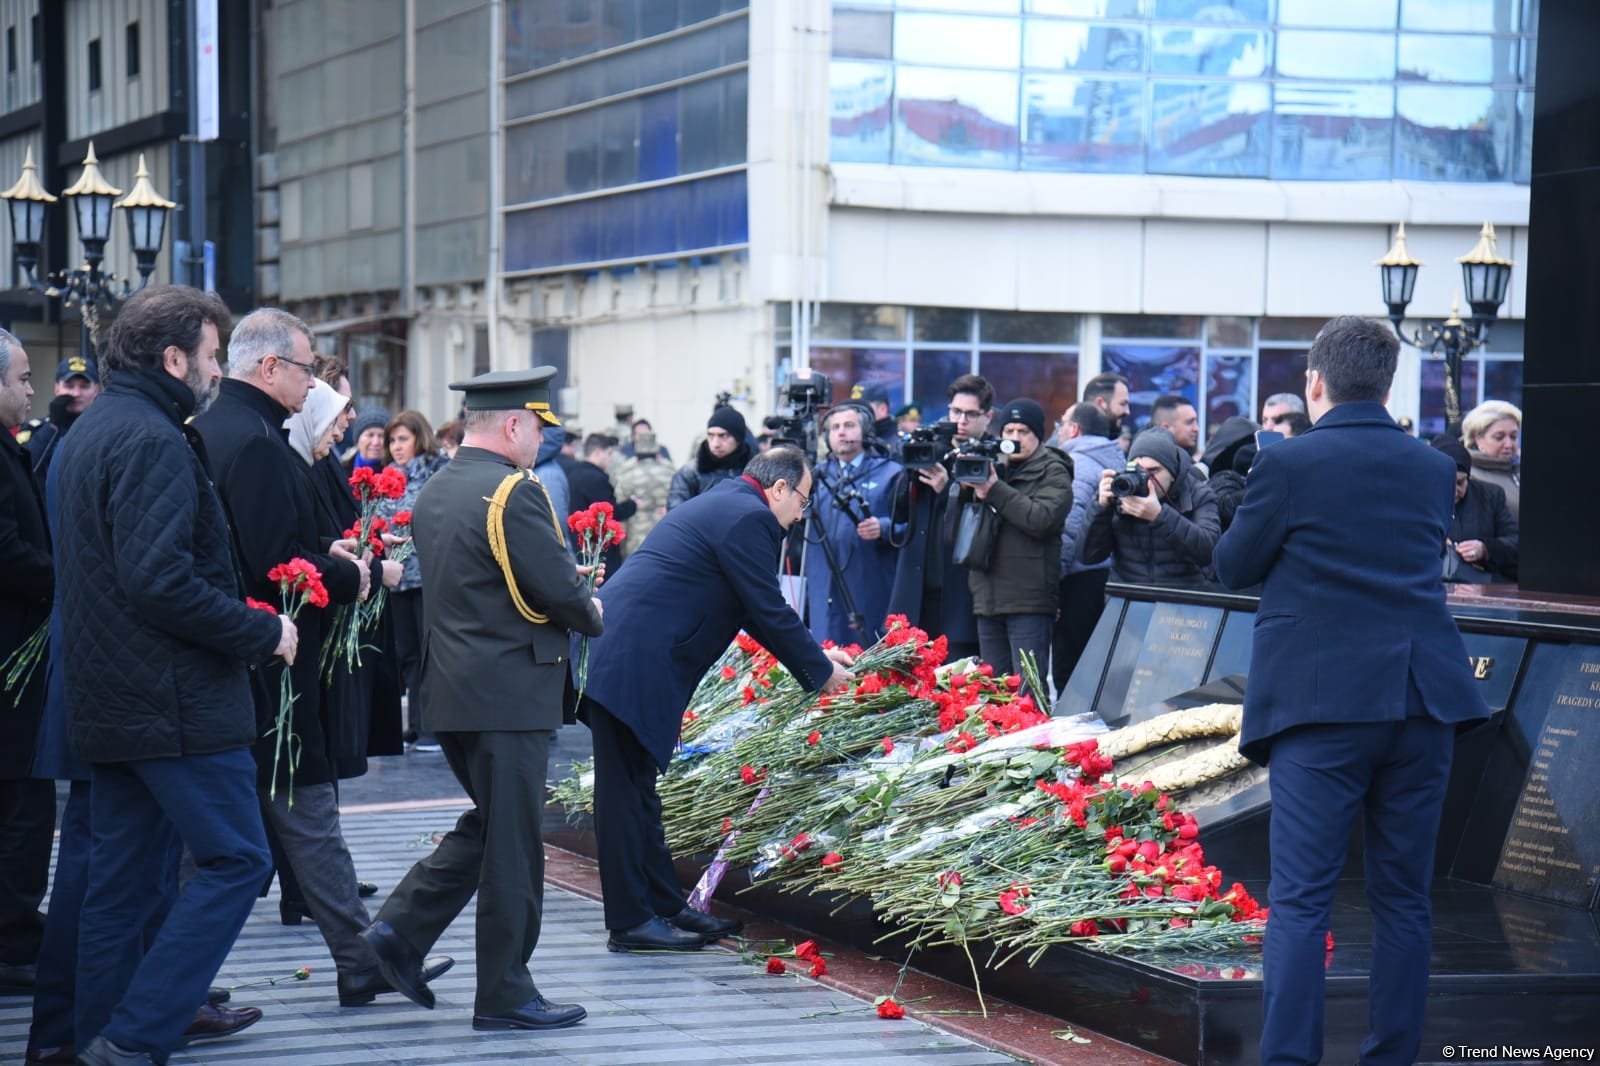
(1158,444)
(371,418)
(1024,412)
(307,425)
(729,421)
(1457,451)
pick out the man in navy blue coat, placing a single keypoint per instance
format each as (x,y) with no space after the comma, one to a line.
(1357,680)
(708,570)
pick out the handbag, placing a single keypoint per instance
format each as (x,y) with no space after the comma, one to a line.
(977,529)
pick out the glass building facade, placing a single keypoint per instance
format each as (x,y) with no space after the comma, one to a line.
(1427,90)
(624,131)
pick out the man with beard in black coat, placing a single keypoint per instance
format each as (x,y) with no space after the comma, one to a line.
(27,808)
(271,503)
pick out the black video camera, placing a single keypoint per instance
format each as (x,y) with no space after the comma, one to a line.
(1132,481)
(850,502)
(975,459)
(805,394)
(926,446)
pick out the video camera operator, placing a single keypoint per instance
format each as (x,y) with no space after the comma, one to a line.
(1157,519)
(1014,596)
(929,588)
(850,556)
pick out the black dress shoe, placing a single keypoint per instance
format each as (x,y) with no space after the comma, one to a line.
(16,980)
(213,1023)
(66,1055)
(537,1013)
(102,1052)
(359,989)
(707,925)
(216,996)
(399,962)
(655,935)
(294,911)
(366,889)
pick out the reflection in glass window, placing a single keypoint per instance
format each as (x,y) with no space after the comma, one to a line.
(1425,57)
(997,7)
(1280,370)
(1088,9)
(1229,332)
(1165,327)
(1079,46)
(1336,56)
(1228,381)
(1153,370)
(1430,422)
(1219,51)
(1209,128)
(1049,379)
(1502,380)
(859,120)
(932,371)
(867,34)
(1453,134)
(1024,327)
(860,322)
(964,118)
(1218,11)
(1524,137)
(941,324)
(1470,16)
(1083,124)
(958,40)
(843,367)
(1334,132)
(1342,14)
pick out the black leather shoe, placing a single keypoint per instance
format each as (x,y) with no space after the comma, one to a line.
(16,980)
(655,935)
(398,962)
(213,1023)
(294,911)
(65,1055)
(359,989)
(217,996)
(707,925)
(366,889)
(537,1013)
(102,1052)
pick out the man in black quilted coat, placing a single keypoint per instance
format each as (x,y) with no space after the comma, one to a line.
(158,696)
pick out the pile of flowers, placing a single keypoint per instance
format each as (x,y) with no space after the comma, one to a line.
(945,796)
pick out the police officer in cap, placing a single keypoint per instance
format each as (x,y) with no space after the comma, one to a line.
(77,384)
(504,593)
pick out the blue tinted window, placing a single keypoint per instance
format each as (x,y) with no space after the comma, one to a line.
(1216,128)
(859,121)
(964,118)
(1153,370)
(1083,123)
(1332,132)
(1453,134)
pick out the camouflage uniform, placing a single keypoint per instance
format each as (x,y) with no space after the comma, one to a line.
(645,478)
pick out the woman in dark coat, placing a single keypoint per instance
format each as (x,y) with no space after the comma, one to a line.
(1482,548)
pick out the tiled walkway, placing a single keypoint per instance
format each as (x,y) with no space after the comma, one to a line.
(710,1007)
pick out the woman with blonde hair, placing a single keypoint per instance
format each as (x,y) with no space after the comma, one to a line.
(1492,432)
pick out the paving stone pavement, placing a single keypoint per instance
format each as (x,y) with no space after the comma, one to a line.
(709,1007)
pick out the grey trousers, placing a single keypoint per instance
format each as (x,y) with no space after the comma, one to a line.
(496,850)
(314,845)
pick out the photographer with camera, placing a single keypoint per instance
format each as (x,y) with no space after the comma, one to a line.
(1014,595)
(849,561)
(929,588)
(1157,519)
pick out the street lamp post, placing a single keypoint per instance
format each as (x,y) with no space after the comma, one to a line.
(1485,274)
(93,200)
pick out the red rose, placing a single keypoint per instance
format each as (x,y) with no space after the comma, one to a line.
(890,1009)
(776,965)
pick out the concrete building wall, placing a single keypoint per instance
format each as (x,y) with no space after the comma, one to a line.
(131,86)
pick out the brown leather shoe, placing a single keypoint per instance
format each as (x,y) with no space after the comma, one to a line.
(213,1022)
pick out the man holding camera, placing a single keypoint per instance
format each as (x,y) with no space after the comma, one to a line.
(1157,519)
(929,588)
(1014,595)
(1358,679)
(849,561)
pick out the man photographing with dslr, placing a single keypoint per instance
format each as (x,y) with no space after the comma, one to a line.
(1156,519)
(1358,678)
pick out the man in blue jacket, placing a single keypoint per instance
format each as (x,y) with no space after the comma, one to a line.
(1357,680)
(708,570)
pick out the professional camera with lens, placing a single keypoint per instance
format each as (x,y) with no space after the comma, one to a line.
(926,446)
(850,502)
(976,458)
(805,395)
(1133,481)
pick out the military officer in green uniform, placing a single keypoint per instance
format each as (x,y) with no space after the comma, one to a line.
(503,595)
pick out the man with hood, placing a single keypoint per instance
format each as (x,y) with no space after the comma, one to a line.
(1015,596)
(722,455)
(1227,482)
(1086,438)
(1164,536)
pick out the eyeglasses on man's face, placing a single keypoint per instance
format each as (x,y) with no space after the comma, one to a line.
(309,368)
(964,414)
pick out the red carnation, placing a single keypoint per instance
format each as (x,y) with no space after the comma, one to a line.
(815,736)
(806,949)
(819,967)
(776,965)
(833,858)
(258,605)
(888,746)
(1084,928)
(890,1009)
(401,518)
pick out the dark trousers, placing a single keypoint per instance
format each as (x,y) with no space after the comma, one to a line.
(140,813)
(1083,597)
(27,825)
(1393,774)
(497,851)
(320,870)
(1002,639)
(408,627)
(636,874)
